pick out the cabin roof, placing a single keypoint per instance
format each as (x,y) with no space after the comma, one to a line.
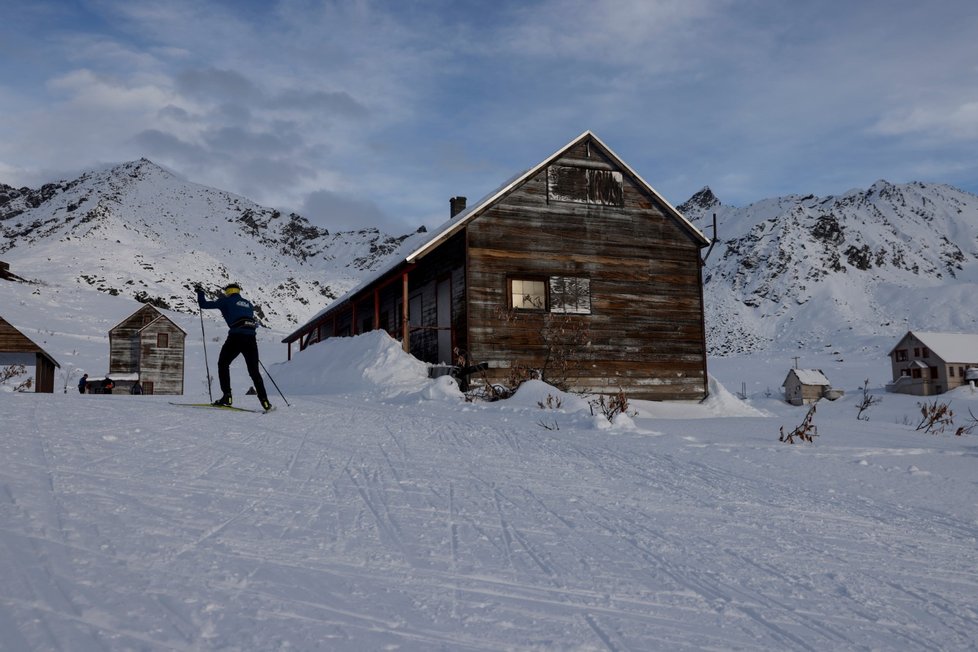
(949,347)
(809,376)
(142,308)
(413,249)
(23,343)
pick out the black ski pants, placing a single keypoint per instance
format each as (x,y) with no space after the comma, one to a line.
(246,345)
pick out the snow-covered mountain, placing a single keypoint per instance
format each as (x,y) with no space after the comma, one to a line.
(138,230)
(794,272)
(805,272)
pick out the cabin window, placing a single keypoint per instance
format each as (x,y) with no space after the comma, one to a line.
(961,371)
(916,352)
(933,372)
(585,185)
(162,340)
(570,295)
(415,307)
(901,355)
(528,294)
(950,372)
(926,353)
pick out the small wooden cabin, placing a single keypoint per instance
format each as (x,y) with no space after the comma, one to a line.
(807,386)
(578,252)
(16,348)
(927,363)
(149,347)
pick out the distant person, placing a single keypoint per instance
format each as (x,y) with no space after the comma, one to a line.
(136,388)
(83,384)
(107,385)
(239,313)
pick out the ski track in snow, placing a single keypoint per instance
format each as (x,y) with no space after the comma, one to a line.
(346,524)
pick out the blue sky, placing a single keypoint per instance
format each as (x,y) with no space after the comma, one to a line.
(362,113)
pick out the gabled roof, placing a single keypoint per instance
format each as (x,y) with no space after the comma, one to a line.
(414,249)
(456,224)
(949,347)
(143,308)
(22,343)
(160,319)
(809,376)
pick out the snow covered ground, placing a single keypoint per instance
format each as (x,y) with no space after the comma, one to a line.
(381,511)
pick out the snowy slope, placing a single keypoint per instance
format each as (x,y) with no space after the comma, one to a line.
(137,230)
(381,511)
(801,272)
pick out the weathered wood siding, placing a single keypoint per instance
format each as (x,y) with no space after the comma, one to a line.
(124,340)
(162,366)
(13,341)
(646,321)
(134,348)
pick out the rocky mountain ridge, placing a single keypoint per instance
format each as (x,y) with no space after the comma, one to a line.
(138,230)
(801,271)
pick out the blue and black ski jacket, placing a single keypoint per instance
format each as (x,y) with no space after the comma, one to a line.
(236,310)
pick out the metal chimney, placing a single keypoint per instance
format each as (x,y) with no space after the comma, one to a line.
(457,204)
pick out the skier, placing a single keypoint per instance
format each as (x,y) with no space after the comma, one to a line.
(239,314)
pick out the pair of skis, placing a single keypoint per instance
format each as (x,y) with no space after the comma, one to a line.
(222,407)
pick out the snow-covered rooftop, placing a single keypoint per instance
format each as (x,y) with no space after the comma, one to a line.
(811,376)
(950,347)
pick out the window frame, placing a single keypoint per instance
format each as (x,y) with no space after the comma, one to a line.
(585,281)
(162,340)
(550,294)
(528,278)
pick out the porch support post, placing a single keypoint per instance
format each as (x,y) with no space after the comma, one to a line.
(376,308)
(405,325)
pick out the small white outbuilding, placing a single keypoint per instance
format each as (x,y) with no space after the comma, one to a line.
(806,386)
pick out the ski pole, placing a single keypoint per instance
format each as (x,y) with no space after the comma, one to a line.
(207,366)
(274,383)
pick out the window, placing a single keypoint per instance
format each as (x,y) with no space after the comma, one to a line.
(570,295)
(926,353)
(901,355)
(415,308)
(961,371)
(585,185)
(162,340)
(916,352)
(950,372)
(558,294)
(933,372)
(526,294)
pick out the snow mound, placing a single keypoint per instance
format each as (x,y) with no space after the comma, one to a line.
(373,362)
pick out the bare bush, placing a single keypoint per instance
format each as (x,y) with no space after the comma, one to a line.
(611,406)
(867,401)
(970,428)
(564,339)
(935,417)
(805,431)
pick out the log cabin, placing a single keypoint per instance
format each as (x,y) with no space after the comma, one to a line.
(577,264)
(147,346)
(18,349)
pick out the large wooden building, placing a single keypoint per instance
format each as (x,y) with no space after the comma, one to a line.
(149,347)
(18,349)
(578,257)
